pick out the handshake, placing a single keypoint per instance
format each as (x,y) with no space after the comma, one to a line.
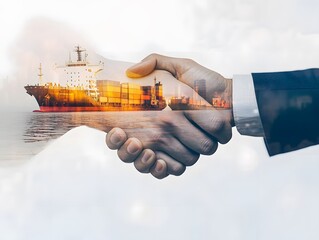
(176,138)
(282,107)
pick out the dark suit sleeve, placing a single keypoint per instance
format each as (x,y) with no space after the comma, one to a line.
(288,104)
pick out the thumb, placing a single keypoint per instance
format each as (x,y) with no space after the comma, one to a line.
(151,63)
(142,69)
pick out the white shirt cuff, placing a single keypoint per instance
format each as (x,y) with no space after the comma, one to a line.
(245,108)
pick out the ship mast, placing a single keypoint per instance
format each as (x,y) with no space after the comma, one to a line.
(40,74)
(79,51)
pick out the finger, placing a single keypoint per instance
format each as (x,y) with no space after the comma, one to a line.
(130,150)
(151,63)
(215,123)
(170,145)
(141,69)
(189,134)
(115,138)
(145,161)
(173,167)
(159,170)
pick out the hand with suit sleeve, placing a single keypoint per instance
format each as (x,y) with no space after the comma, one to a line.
(178,138)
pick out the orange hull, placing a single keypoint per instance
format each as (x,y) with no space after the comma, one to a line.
(94,109)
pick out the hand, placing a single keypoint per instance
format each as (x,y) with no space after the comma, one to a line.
(186,71)
(171,140)
(176,143)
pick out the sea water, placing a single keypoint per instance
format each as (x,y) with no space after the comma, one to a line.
(24,134)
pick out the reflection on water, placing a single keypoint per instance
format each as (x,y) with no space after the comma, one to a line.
(48,126)
(25,134)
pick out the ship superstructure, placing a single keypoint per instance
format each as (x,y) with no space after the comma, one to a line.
(80,90)
(80,74)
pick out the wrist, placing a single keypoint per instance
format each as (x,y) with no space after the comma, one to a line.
(229,97)
(245,107)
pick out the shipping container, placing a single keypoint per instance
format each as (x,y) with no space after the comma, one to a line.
(124,95)
(145,97)
(114,100)
(124,101)
(110,94)
(134,101)
(107,83)
(103,99)
(134,96)
(134,91)
(109,89)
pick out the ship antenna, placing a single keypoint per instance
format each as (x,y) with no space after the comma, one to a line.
(78,50)
(40,74)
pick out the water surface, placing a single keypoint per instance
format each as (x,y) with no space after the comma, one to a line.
(25,134)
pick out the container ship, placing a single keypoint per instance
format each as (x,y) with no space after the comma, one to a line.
(79,90)
(198,102)
(187,103)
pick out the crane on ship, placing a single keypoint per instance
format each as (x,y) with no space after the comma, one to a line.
(154,101)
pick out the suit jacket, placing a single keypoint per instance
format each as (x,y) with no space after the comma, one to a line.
(288,104)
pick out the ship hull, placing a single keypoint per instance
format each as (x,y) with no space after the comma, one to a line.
(95,109)
(61,99)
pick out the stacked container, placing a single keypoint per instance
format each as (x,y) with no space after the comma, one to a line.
(159,91)
(109,91)
(130,94)
(146,95)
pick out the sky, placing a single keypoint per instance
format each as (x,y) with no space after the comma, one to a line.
(230,37)
(242,193)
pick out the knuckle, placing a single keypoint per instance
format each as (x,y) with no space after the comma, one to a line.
(115,138)
(128,152)
(153,55)
(160,139)
(189,61)
(159,172)
(217,124)
(145,161)
(207,146)
(177,170)
(140,167)
(192,160)
(228,136)
(158,176)
(109,144)
(124,157)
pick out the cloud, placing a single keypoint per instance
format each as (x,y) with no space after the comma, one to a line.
(244,36)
